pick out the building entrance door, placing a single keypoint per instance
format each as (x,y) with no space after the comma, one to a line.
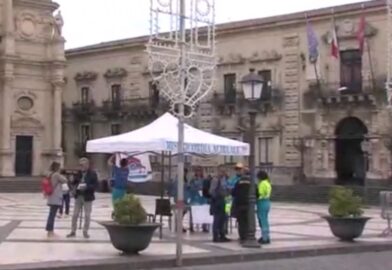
(24,155)
(351,163)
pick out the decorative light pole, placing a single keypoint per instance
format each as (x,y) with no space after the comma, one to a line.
(252,85)
(182,60)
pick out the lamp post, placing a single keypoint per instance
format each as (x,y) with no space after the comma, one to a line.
(252,86)
(182,62)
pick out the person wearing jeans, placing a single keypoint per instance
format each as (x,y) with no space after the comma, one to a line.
(218,192)
(55,199)
(66,200)
(85,184)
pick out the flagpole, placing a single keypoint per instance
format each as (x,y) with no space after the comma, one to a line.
(314,61)
(368,49)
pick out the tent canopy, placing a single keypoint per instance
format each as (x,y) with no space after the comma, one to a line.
(162,135)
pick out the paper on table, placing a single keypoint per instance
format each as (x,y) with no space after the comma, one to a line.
(201,214)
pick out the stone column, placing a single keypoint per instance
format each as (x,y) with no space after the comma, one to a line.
(5,148)
(57,111)
(8,38)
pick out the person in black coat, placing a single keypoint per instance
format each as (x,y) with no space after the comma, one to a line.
(240,206)
(84,186)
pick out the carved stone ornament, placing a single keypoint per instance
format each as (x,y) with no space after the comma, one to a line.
(348,29)
(115,73)
(25,103)
(26,123)
(86,76)
(231,59)
(291,41)
(27,25)
(265,56)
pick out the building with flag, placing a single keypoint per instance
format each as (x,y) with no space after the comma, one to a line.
(322,115)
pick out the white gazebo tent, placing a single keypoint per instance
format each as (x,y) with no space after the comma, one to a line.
(161,135)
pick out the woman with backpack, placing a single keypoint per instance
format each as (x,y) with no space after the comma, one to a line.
(54,195)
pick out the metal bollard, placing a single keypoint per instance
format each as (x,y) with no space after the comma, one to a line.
(386,211)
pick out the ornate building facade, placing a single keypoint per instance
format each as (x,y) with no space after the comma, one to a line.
(324,122)
(32,65)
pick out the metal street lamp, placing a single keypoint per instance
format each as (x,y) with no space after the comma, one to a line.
(252,85)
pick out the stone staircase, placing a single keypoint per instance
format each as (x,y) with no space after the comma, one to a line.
(20,185)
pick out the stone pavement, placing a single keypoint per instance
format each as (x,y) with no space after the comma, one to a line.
(296,230)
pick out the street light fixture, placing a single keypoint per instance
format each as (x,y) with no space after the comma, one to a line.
(252,85)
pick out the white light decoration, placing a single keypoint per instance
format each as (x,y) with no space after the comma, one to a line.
(181,60)
(389,55)
(190,52)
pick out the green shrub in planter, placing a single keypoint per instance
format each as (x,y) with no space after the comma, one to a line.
(344,204)
(129,211)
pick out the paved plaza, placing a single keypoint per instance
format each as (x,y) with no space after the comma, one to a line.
(23,238)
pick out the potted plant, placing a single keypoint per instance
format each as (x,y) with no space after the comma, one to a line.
(345,221)
(129,232)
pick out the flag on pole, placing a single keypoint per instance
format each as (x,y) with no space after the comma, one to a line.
(334,41)
(361,33)
(312,43)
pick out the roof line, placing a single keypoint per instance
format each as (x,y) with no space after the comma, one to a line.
(236,26)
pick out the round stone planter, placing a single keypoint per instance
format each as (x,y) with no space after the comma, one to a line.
(346,229)
(130,239)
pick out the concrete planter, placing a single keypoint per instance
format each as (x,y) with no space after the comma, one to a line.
(346,229)
(130,239)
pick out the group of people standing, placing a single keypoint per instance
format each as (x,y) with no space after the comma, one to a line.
(82,188)
(227,197)
(230,197)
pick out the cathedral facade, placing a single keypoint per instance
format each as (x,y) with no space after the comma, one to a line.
(32,65)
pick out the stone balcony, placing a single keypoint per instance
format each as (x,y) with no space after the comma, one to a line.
(365,93)
(236,103)
(134,107)
(83,110)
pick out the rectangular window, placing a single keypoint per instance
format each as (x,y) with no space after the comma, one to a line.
(116,95)
(85,133)
(351,71)
(265,151)
(154,93)
(85,95)
(267,84)
(230,87)
(115,129)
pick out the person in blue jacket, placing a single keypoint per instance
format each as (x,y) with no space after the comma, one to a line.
(196,193)
(119,179)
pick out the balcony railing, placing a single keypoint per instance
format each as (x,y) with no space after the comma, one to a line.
(270,100)
(135,107)
(114,108)
(84,109)
(362,92)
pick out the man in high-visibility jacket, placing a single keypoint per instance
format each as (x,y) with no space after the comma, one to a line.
(263,205)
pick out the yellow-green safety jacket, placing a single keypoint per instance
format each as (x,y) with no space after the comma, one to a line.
(264,189)
(228,202)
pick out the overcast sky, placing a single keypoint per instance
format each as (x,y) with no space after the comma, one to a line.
(94,21)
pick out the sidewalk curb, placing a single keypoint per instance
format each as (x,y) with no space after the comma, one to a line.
(156,262)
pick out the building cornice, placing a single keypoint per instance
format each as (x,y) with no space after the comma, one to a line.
(242,26)
(42,4)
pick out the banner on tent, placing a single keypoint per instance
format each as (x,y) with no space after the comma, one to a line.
(225,150)
(139,167)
